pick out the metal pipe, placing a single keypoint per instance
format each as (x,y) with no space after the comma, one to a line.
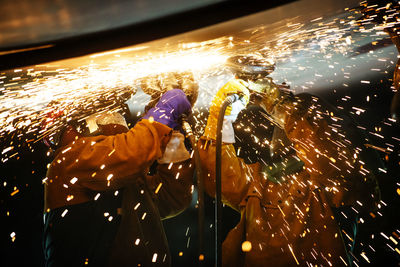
(200,189)
(218,202)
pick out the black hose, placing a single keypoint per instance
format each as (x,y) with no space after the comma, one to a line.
(200,189)
(218,202)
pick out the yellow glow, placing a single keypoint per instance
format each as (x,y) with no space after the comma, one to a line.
(294,256)
(118,51)
(158,188)
(246,246)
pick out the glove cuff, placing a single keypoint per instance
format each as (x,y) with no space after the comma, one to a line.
(175,150)
(228,134)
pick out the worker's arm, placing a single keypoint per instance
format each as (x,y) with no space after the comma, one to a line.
(232,168)
(233,172)
(110,162)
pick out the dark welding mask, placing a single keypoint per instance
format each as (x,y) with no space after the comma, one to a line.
(250,67)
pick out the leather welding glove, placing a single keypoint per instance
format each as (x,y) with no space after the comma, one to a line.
(234,86)
(175,150)
(169,108)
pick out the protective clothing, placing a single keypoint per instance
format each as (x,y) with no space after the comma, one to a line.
(169,108)
(101,206)
(234,86)
(291,221)
(175,150)
(95,121)
(253,134)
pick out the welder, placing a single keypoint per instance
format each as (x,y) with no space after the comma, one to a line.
(102,208)
(287,219)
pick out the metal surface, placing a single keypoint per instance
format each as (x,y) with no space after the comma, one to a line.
(26,22)
(33,33)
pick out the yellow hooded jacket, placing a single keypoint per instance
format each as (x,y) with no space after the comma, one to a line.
(291,223)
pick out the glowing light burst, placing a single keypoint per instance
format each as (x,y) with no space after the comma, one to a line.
(25,94)
(24,98)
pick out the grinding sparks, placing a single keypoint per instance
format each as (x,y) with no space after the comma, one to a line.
(294,256)
(24,101)
(30,97)
(15,192)
(25,97)
(12,235)
(154,259)
(136,206)
(158,188)
(64,213)
(365,257)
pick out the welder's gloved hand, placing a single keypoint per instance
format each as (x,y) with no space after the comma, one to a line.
(234,86)
(175,150)
(169,108)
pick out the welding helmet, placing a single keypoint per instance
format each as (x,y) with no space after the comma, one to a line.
(250,67)
(64,123)
(156,85)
